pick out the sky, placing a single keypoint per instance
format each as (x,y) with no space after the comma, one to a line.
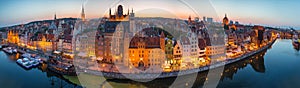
(277,13)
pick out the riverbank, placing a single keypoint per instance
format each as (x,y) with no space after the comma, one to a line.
(69,69)
(56,65)
(115,75)
(38,77)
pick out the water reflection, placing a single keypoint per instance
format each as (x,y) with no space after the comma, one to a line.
(13,57)
(256,61)
(30,78)
(56,80)
(297,48)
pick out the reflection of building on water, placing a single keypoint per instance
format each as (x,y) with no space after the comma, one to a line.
(296,41)
(256,62)
(57,81)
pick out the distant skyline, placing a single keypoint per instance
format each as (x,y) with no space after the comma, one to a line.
(265,12)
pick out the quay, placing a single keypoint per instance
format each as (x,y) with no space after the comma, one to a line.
(69,69)
(116,75)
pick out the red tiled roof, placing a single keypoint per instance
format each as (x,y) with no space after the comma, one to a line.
(150,42)
(201,43)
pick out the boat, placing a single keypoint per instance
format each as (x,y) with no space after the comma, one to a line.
(296,42)
(8,50)
(24,63)
(26,55)
(29,63)
(14,50)
(35,62)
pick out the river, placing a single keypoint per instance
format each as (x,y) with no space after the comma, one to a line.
(277,67)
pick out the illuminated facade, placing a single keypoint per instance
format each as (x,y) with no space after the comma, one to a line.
(82,14)
(190,52)
(177,53)
(259,31)
(169,50)
(115,42)
(147,49)
(13,37)
(24,40)
(45,43)
(85,44)
(201,48)
(215,50)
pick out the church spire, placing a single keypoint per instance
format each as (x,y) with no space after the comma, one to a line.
(128,12)
(82,14)
(109,12)
(190,19)
(55,16)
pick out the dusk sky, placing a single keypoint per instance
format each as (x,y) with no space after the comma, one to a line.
(267,12)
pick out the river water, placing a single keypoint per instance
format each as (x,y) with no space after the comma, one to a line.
(277,67)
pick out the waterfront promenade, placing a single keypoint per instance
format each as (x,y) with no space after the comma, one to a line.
(111,71)
(114,74)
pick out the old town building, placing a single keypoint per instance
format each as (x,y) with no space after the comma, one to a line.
(147,48)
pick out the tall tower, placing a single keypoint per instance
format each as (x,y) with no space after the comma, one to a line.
(120,11)
(162,41)
(55,16)
(225,22)
(55,20)
(128,12)
(82,14)
(190,19)
(109,12)
(132,14)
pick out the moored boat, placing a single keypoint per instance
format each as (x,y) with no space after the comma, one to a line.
(29,62)
(24,63)
(26,55)
(14,50)
(296,41)
(8,50)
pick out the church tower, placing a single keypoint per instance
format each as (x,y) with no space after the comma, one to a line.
(82,14)
(162,41)
(226,22)
(55,16)
(109,12)
(132,14)
(190,19)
